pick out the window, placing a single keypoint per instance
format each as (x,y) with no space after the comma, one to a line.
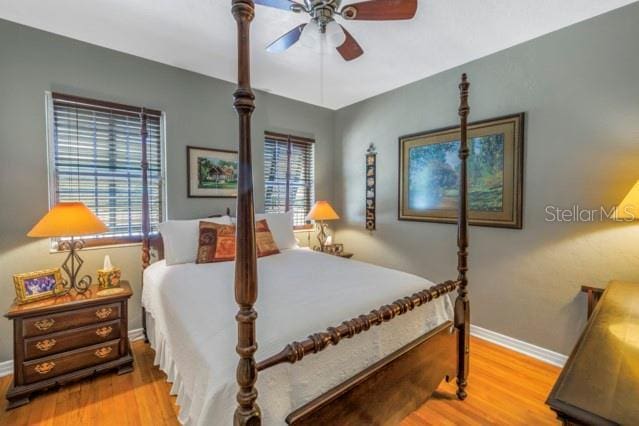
(95,156)
(288,175)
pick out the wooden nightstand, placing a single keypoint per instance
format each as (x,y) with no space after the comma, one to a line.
(67,338)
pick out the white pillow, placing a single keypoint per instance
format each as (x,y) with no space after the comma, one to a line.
(181,237)
(281,226)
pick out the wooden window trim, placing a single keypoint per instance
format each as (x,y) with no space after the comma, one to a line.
(280,137)
(96,242)
(102,107)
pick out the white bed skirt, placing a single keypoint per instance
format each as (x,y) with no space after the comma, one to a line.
(166,363)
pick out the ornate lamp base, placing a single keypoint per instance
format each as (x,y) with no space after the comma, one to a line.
(321,235)
(71,266)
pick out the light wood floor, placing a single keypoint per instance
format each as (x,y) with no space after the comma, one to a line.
(504,388)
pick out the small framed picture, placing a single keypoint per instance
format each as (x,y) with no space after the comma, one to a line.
(212,173)
(32,286)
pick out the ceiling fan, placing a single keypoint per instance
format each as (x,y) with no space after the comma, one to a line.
(322,24)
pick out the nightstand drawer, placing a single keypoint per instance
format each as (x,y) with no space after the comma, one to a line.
(37,326)
(41,346)
(56,365)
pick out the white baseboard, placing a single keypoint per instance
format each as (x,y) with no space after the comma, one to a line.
(6,367)
(137,334)
(542,354)
(520,346)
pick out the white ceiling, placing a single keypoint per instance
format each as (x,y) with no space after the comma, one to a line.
(199,35)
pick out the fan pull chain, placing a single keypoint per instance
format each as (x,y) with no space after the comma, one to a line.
(322,40)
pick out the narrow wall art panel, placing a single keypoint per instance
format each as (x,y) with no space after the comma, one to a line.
(371,178)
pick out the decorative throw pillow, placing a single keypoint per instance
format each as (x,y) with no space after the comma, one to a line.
(217,242)
(264,239)
(212,236)
(180,238)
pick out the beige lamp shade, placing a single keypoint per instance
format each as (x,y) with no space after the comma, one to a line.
(628,209)
(68,220)
(322,210)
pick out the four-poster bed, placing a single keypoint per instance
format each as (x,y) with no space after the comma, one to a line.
(374,385)
(348,399)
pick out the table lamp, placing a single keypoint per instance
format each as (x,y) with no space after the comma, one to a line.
(628,209)
(70,219)
(320,212)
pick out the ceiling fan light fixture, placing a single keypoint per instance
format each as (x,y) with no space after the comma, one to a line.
(310,35)
(323,34)
(335,34)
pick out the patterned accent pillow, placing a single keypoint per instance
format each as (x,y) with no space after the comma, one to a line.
(217,242)
(207,251)
(264,239)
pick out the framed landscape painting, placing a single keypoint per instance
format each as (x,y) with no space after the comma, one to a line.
(429,174)
(212,173)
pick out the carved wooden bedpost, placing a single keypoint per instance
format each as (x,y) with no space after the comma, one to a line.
(462,304)
(146,220)
(247,411)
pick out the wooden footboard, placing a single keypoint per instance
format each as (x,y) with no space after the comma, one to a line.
(389,390)
(318,342)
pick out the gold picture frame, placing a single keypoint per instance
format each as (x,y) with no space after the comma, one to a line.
(428,179)
(38,285)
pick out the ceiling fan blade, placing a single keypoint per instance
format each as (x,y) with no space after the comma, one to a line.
(278,4)
(286,41)
(350,49)
(380,10)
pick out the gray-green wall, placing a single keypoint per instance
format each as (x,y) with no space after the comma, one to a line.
(198,112)
(579,88)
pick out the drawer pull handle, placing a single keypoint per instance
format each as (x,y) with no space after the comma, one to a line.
(104,331)
(44,324)
(103,352)
(45,367)
(103,313)
(46,345)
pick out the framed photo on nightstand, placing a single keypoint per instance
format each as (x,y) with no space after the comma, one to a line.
(32,286)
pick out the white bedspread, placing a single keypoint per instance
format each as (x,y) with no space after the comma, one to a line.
(300,292)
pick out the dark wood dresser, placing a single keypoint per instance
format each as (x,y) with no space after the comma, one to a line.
(67,338)
(599,384)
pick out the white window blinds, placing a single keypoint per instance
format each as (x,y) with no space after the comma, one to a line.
(288,175)
(96,157)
